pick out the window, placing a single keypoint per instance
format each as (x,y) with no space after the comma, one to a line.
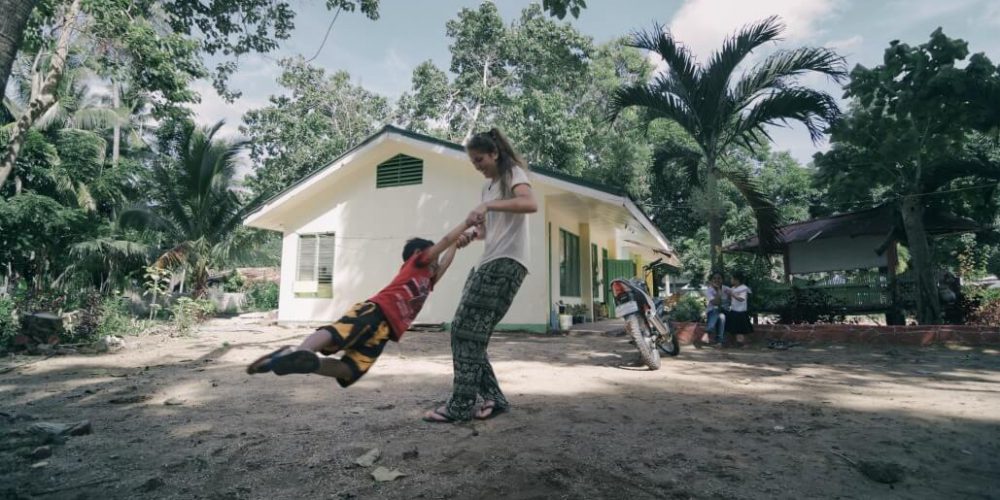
(569,264)
(314,276)
(400,170)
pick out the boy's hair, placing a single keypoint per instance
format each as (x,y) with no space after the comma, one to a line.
(414,245)
(740,276)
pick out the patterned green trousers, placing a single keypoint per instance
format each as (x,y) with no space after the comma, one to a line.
(486,298)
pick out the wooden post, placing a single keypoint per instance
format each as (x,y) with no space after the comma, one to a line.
(788,265)
(892,258)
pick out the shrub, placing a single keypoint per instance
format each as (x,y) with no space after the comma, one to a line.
(262,296)
(189,312)
(809,305)
(8,321)
(689,308)
(984,305)
(234,283)
(104,315)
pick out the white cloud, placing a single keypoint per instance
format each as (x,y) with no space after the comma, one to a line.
(213,108)
(909,12)
(992,14)
(703,24)
(843,45)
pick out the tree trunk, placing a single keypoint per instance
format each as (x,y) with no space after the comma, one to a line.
(714,218)
(46,97)
(12,25)
(928,303)
(117,139)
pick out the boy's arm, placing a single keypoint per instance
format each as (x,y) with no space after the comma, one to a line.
(432,253)
(445,262)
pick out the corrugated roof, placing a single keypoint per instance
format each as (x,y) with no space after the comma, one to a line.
(875,221)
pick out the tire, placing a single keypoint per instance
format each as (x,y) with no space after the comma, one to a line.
(639,331)
(670,347)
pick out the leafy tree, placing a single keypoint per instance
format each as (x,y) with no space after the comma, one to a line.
(721,111)
(196,211)
(910,135)
(323,116)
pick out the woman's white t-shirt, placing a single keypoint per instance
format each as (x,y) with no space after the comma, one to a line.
(742,292)
(506,232)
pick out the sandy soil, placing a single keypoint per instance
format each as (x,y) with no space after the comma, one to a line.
(751,423)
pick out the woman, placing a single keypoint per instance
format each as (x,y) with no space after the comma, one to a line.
(738,319)
(501,220)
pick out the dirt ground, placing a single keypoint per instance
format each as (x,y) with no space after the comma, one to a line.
(749,423)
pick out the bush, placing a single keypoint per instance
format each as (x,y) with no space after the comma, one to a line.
(262,296)
(234,283)
(984,305)
(8,321)
(116,318)
(104,315)
(809,305)
(689,308)
(189,312)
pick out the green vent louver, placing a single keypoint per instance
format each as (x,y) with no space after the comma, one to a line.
(400,170)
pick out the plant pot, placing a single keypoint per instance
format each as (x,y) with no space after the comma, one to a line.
(565,321)
(579,318)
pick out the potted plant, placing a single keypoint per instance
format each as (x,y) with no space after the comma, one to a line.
(579,313)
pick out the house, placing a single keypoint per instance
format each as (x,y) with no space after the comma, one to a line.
(344,227)
(851,258)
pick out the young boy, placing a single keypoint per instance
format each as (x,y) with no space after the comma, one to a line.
(362,333)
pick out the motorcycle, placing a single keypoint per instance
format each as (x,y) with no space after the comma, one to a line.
(647,319)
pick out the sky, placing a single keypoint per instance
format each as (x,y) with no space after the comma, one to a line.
(381,54)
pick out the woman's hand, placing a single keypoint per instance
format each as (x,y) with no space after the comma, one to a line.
(464,239)
(477,216)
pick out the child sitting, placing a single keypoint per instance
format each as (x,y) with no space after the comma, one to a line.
(362,333)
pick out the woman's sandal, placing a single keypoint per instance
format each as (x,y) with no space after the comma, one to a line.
(438,415)
(263,363)
(491,406)
(295,362)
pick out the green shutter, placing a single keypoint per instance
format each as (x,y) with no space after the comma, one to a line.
(400,170)
(569,265)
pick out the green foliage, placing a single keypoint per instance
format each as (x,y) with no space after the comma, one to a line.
(234,283)
(993,264)
(195,209)
(189,312)
(8,321)
(689,308)
(558,8)
(157,283)
(721,111)
(983,305)
(544,84)
(117,318)
(321,117)
(263,296)
(805,305)
(916,127)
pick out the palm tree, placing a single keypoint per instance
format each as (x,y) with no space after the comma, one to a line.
(720,110)
(197,212)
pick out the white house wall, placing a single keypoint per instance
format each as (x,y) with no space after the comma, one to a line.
(371,226)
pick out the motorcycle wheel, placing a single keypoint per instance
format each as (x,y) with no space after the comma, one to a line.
(643,338)
(670,346)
